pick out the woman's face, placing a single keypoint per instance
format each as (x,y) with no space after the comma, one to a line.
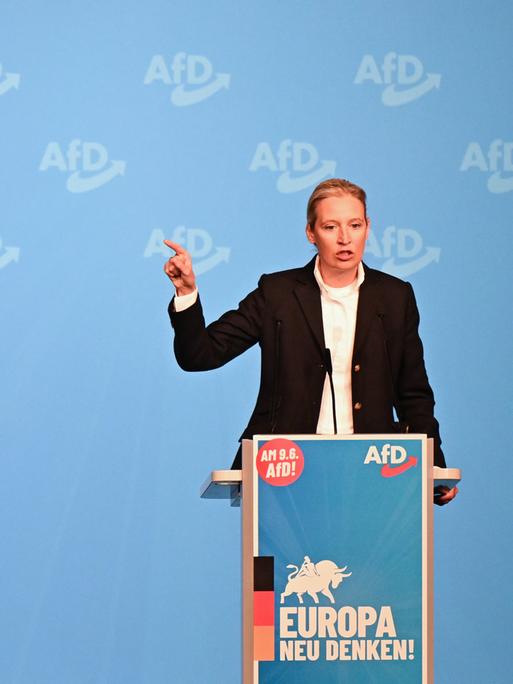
(339,234)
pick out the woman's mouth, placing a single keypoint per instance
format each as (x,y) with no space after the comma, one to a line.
(344,255)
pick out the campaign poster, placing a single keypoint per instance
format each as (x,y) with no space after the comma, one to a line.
(341,560)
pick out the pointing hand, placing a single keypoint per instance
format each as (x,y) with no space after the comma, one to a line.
(179,269)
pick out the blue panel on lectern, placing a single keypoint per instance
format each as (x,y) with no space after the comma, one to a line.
(351,525)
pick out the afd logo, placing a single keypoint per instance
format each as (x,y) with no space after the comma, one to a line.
(197,242)
(191,78)
(402,76)
(86,162)
(297,163)
(8,81)
(498,159)
(401,250)
(393,459)
(8,255)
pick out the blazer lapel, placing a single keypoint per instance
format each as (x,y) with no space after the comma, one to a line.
(309,297)
(369,309)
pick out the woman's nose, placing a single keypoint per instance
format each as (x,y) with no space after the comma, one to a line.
(343,236)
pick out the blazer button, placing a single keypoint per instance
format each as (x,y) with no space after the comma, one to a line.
(357,368)
(357,406)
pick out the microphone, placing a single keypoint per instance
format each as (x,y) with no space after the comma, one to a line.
(329,370)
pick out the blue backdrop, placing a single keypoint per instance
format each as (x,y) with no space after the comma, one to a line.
(210,123)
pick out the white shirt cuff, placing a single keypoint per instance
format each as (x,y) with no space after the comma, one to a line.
(185,301)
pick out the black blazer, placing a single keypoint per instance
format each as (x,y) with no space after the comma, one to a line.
(283,315)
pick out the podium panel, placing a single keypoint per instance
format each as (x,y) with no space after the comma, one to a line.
(337,559)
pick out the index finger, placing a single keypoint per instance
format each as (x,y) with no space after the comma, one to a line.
(174,245)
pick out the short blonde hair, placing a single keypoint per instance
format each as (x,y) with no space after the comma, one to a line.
(329,188)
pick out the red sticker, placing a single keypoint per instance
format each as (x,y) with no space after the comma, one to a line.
(280,462)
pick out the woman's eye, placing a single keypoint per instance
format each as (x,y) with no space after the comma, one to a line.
(329,227)
(356,225)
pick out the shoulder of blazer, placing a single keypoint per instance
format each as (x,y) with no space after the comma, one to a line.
(386,282)
(286,281)
(301,274)
(384,292)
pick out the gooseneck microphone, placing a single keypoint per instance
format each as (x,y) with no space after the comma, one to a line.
(329,370)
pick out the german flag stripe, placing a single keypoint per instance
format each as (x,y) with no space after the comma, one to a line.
(263,573)
(263,608)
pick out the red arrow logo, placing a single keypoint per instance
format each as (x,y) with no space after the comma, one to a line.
(389,471)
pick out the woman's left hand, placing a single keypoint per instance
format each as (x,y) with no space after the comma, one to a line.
(443,495)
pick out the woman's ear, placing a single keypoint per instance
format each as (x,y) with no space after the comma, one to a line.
(310,234)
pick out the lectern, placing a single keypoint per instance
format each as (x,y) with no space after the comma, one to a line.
(337,555)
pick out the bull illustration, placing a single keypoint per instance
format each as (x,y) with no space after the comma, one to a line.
(326,573)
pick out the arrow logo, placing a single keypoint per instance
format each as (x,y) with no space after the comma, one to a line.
(183,98)
(497,184)
(406,269)
(77,183)
(392,471)
(394,98)
(287,184)
(10,81)
(221,254)
(10,254)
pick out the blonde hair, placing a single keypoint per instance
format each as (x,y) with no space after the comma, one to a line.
(329,188)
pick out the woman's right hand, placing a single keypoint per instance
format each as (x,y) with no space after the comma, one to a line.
(179,269)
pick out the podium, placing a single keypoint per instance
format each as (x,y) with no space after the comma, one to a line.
(337,557)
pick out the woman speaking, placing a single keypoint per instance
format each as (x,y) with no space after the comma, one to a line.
(340,349)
